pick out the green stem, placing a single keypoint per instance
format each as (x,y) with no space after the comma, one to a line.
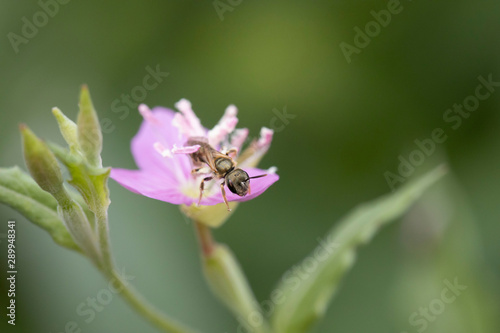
(147,310)
(103,235)
(207,242)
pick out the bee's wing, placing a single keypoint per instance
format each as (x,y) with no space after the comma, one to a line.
(194,140)
(206,154)
(210,160)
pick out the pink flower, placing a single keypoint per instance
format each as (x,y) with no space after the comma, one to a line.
(165,165)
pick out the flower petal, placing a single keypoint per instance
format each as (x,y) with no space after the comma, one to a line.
(151,185)
(160,131)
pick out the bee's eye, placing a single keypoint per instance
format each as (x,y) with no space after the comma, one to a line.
(230,186)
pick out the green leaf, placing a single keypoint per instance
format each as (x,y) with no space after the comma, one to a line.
(20,192)
(304,298)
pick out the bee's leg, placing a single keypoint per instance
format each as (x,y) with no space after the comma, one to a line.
(200,170)
(202,188)
(232,151)
(223,191)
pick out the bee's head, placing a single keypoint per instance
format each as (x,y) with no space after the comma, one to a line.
(238,182)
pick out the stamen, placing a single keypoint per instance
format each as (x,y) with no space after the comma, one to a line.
(222,130)
(180,122)
(185,150)
(254,153)
(191,125)
(239,137)
(231,111)
(272,170)
(183,105)
(162,150)
(266,136)
(146,113)
(226,125)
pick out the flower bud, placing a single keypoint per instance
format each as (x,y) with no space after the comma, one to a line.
(41,162)
(89,130)
(68,129)
(227,281)
(76,222)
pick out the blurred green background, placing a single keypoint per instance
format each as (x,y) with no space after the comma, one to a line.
(352,121)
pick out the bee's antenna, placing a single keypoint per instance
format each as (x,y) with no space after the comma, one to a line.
(259,176)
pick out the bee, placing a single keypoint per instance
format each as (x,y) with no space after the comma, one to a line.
(222,166)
